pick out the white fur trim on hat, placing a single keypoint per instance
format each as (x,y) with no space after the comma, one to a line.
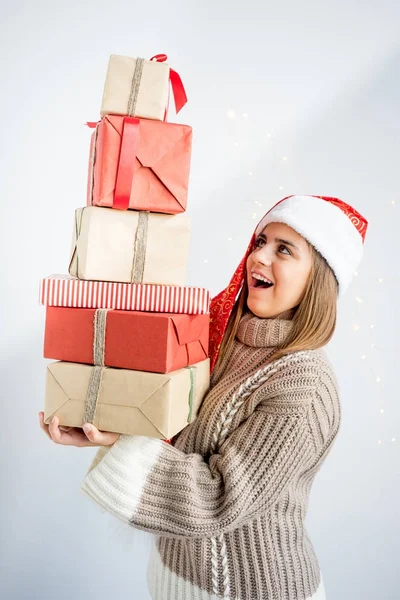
(326,227)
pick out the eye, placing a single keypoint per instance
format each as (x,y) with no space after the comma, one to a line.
(282,246)
(261,240)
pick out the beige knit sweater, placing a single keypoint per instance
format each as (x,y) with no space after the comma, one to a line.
(228,500)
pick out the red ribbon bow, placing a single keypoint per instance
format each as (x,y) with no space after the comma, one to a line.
(178,90)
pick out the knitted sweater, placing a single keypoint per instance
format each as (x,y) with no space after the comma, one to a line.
(227,501)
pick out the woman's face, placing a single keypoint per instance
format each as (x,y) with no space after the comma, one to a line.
(284,257)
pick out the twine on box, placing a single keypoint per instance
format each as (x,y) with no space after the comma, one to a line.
(139,252)
(140,244)
(192,372)
(99,344)
(92,160)
(77,233)
(133,96)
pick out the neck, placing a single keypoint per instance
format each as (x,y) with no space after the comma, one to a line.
(264,332)
(287,315)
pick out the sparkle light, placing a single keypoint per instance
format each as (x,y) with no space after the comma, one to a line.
(356,327)
(230,114)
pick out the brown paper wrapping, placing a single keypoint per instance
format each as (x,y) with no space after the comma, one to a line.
(152,95)
(105,243)
(128,402)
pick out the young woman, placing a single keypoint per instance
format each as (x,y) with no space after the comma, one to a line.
(227,498)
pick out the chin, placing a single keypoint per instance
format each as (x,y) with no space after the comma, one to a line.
(264,312)
(259,310)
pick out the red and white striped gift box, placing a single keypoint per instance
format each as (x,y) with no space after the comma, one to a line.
(65,290)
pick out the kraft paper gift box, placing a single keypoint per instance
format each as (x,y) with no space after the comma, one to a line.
(124,401)
(68,291)
(141,341)
(140,87)
(139,164)
(130,246)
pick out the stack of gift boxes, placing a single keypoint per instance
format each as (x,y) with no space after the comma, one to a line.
(130,339)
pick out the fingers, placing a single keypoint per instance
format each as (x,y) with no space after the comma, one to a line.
(43,425)
(99,438)
(54,430)
(72,436)
(66,436)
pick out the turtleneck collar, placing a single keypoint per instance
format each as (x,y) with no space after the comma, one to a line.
(262,333)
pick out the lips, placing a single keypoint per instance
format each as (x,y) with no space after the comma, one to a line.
(256,284)
(261,274)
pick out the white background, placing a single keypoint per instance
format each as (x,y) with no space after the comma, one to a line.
(284,97)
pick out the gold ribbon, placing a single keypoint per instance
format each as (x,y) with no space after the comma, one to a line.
(136,79)
(99,344)
(139,253)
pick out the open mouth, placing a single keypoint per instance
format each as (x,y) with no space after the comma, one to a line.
(257,283)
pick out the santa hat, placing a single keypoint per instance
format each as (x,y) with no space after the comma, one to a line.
(333,227)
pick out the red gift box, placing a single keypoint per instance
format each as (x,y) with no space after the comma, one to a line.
(139,164)
(153,342)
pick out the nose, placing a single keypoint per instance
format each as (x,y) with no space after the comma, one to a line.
(263,255)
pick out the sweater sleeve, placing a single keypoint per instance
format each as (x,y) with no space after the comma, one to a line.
(156,487)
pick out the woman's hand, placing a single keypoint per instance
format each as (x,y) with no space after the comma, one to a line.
(75,436)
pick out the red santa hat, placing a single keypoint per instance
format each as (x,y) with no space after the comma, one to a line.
(333,227)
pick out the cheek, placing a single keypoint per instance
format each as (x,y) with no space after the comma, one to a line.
(290,276)
(283,273)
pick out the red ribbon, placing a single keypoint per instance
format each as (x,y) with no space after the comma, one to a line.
(178,90)
(127,155)
(126,160)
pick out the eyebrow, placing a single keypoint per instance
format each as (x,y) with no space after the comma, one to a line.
(262,235)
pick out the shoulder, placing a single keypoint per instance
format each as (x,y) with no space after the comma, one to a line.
(302,385)
(299,378)
(325,408)
(295,371)
(326,373)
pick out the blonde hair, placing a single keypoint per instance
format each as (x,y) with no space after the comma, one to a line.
(314,320)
